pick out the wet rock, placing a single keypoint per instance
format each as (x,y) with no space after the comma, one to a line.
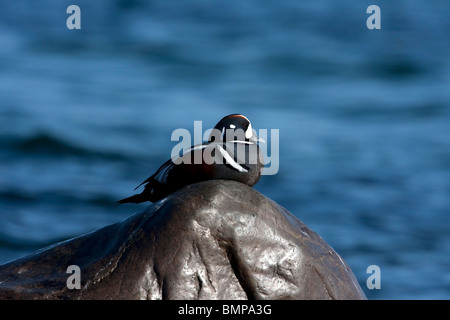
(210,240)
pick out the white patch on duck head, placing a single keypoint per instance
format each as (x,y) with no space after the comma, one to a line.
(249,131)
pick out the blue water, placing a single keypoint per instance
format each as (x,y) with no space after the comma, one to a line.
(364,118)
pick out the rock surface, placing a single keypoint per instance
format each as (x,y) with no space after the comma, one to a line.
(210,240)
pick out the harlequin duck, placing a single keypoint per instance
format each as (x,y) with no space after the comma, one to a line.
(231,153)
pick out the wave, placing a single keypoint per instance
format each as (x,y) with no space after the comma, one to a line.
(56,197)
(45,144)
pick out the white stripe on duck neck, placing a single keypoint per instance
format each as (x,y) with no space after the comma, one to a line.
(230,160)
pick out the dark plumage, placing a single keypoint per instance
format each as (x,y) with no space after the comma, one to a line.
(231,153)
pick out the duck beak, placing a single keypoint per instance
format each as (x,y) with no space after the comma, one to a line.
(255,139)
(260,140)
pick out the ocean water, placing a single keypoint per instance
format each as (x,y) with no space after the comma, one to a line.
(363,117)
